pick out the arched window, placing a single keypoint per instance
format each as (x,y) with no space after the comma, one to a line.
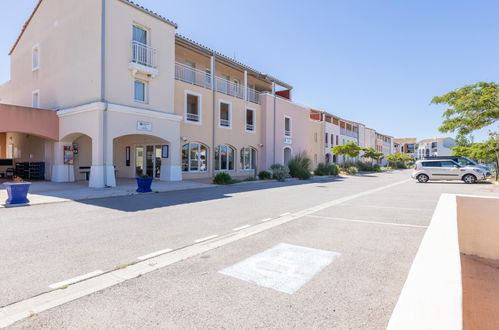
(224,158)
(248,158)
(287,155)
(194,157)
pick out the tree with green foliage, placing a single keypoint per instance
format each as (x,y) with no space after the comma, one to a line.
(485,152)
(372,154)
(349,149)
(471,107)
(399,159)
(462,140)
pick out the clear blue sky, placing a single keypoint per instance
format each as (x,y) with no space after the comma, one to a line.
(376,62)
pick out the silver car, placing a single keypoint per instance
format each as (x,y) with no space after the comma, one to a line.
(426,170)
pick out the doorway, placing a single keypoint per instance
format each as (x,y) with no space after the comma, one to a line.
(148,160)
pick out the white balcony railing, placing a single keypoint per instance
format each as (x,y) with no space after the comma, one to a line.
(250,127)
(224,122)
(143,55)
(192,76)
(287,133)
(192,117)
(201,78)
(253,96)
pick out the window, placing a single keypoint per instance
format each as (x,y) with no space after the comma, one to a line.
(192,107)
(194,157)
(250,120)
(326,140)
(287,126)
(139,91)
(447,164)
(224,158)
(139,35)
(337,139)
(315,137)
(225,114)
(35,59)
(431,164)
(35,99)
(248,158)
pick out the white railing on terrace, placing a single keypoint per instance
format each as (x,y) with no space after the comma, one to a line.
(287,133)
(143,54)
(343,131)
(201,78)
(192,117)
(192,76)
(250,127)
(253,96)
(229,88)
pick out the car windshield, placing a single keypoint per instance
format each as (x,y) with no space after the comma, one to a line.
(465,162)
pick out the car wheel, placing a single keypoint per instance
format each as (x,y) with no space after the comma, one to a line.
(423,178)
(469,178)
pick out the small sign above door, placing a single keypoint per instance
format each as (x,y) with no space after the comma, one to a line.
(144,126)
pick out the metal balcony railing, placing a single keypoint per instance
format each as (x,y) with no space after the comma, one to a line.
(225,122)
(228,87)
(192,117)
(253,96)
(192,76)
(143,54)
(287,133)
(250,127)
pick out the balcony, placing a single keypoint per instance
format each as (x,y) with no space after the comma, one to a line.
(192,117)
(250,127)
(287,132)
(192,76)
(143,59)
(203,79)
(225,122)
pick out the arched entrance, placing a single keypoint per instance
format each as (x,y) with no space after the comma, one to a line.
(141,154)
(328,158)
(73,156)
(287,155)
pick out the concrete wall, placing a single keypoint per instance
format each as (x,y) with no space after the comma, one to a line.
(478,226)
(119,79)
(68,34)
(39,122)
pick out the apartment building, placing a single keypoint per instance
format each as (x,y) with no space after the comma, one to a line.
(406,145)
(434,147)
(384,144)
(132,97)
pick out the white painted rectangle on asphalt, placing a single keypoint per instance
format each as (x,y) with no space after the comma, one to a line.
(242,227)
(154,254)
(205,238)
(267,219)
(284,214)
(75,279)
(284,267)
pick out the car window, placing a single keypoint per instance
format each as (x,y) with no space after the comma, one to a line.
(447,164)
(431,164)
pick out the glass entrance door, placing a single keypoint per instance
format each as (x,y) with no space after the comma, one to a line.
(148,160)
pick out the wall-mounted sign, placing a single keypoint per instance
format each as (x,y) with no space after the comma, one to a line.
(288,141)
(165,151)
(144,126)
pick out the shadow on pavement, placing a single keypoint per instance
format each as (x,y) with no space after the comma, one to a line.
(148,201)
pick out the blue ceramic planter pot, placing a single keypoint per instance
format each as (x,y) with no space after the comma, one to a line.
(17,192)
(143,185)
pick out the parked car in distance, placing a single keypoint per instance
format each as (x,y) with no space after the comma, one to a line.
(463,161)
(426,170)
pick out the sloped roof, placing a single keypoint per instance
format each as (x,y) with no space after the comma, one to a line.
(434,140)
(128,2)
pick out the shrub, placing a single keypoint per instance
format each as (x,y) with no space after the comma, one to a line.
(351,170)
(362,166)
(265,175)
(222,178)
(279,172)
(376,168)
(299,166)
(326,169)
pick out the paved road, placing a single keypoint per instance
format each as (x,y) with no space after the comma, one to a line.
(376,234)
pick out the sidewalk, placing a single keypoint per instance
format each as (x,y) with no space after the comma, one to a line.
(53,192)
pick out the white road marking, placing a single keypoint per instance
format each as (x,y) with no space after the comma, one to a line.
(205,238)
(367,221)
(154,254)
(284,267)
(285,214)
(242,227)
(267,219)
(42,302)
(75,279)
(392,207)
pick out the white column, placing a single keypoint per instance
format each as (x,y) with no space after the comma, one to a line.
(245,85)
(212,71)
(101,175)
(60,171)
(170,168)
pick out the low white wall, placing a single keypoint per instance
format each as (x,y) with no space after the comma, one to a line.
(432,294)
